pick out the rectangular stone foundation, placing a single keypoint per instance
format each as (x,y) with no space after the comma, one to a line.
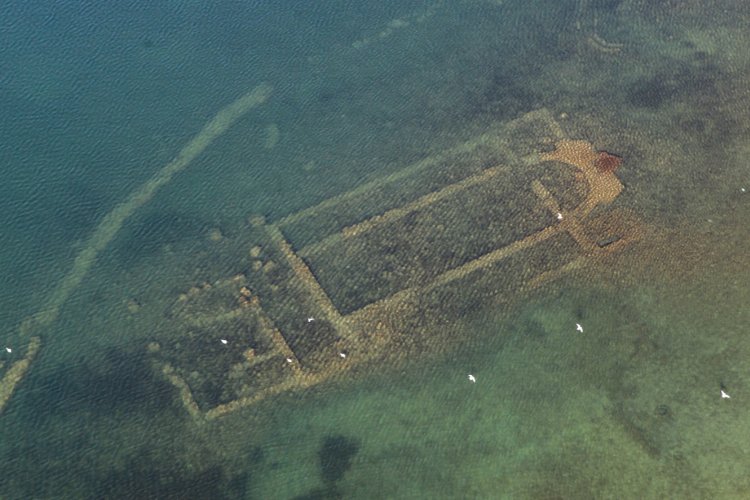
(344,282)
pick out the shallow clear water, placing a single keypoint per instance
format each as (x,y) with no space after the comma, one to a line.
(124,194)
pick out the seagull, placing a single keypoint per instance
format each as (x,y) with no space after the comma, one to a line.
(558,215)
(579,328)
(342,354)
(310,319)
(472,378)
(8,349)
(288,360)
(224,341)
(724,395)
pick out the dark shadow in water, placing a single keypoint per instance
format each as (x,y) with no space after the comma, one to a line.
(77,209)
(42,467)
(694,94)
(320,494)
(68,396)
(67,212)
(336,456)
(506,95)
(119,381)
(651,92)
(335,459)
(145,478)
(149,234)
(605,5)
(516,61)
(694,81)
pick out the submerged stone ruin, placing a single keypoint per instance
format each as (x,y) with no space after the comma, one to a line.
(364,275)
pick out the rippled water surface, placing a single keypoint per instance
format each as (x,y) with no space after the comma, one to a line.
(396,249)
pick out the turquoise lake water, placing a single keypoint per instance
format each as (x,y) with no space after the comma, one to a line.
(312,249)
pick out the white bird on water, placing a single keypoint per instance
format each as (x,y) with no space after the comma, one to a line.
(724,395)
(9,350)
(579,328)
(224,341)
(472,378)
